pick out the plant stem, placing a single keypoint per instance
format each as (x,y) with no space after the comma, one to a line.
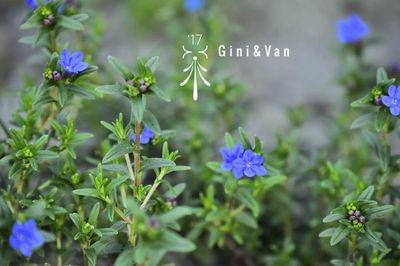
(352,248)
(59,248)
(129,165)
(156,183)
(53,44)
(136,154)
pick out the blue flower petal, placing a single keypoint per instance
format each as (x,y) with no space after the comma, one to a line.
(395,110)
(386,100)
(392,91)
(260,170)
(249,172)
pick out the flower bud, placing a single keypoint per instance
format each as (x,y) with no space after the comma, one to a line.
(56,76)
(362,219)
(357,213)
(153,222)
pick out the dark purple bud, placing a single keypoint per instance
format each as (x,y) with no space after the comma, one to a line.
(171,200)
(143,88)
(362,219)
(46,22)
(130,82)
(56,76)
(153,222)
(352,218)
(378,101)
(357,213)
(50,18)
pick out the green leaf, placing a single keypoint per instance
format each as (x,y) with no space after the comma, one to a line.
(246,219)
(229,142)
(41,142)
(244,138)
(108,232)
(367,193)
(138,105)
(69,23)
(361,121)
(327,232)
(152,63)
(126,258)
(245,197)
(333,217)
(364,101)
(116,182)
(94,214)
(80,17)
(76,219)
(88,192)
(117,151)
(379,212)
(230,184)
(175,214)
(178,168)
(382,117)
(91,256)
(340,233)
(115,89)
(381,75)
(384,157)
(215,166)
(172,242)
(175,191)
(32,21)
(155,163)
(120,68)
(273,181)
(45,155)
(150,120)
(374,239)
(160,93)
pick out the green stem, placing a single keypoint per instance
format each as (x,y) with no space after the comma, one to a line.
(352,248)
(129,165)
(136,155)
(59,248)
(53,41)
(157,182)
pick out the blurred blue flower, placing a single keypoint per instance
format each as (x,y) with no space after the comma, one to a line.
(393,100)
(229,155)
(250,165)
(72,63)
(194,5)
(351,30)
(146,135)
(33,4)
(25,237)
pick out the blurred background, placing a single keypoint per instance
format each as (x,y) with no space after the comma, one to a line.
(305,96)
(307,27)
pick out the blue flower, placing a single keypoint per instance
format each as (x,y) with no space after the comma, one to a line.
(25,237)
(393,100)
(194,5)
(351,30)
(250,165)
(145,136)
(33,4)
(72,63)
(229,155)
